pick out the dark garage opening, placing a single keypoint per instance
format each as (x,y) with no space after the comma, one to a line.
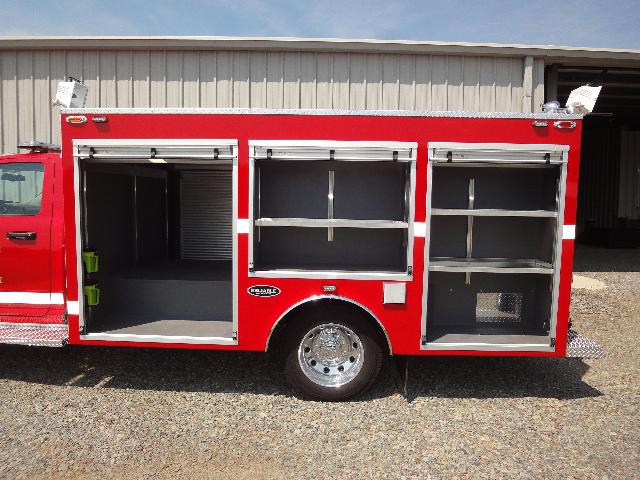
(609,189)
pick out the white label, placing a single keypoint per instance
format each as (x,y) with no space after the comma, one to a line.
(73,308)
(242,225)
(419,229)
(568,232)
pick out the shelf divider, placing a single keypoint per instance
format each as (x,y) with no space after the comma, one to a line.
(329,223)
(489,265)
(492,212)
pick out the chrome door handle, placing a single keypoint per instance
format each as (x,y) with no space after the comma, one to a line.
(21,235)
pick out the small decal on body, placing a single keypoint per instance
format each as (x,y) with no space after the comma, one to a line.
(568,232)
(419,229)
(263,291)
(242,225)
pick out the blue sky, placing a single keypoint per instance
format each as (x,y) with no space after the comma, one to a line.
(591,23)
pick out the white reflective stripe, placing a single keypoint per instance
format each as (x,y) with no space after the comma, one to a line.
(57,299)
(568,232)
(73,308)
(242,225)
(32,298)
(419,229)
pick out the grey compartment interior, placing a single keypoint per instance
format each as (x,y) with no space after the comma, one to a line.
(352,249)
(509,188)
(510,302)
(291,189)
(133,220)
(521,304)
(362,190)
(494,237)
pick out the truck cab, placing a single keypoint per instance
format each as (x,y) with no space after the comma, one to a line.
(32,309)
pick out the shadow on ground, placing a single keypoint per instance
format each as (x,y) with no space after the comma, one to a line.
(597,259)
(251,372)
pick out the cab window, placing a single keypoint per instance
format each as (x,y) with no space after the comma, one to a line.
(21,188)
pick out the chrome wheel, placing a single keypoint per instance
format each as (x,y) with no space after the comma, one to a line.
(331,355)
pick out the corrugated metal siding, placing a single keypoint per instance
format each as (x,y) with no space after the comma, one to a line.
(258,79)
(206,215)
(629,201)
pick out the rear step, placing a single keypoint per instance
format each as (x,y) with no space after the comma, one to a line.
(579,346)
(34,334)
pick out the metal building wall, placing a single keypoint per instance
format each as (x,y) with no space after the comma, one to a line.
(599,175)
(205,78)
(629,199)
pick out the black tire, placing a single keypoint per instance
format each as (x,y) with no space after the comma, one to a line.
(304,386)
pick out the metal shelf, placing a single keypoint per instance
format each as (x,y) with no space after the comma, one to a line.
(325,223)
(489,265)
(493,212)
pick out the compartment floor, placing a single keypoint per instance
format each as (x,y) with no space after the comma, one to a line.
(519,333)
(166,327)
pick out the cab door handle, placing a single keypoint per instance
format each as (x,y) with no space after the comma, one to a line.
(21,235)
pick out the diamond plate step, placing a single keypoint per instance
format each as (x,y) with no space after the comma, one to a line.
(34,334)
(579,346)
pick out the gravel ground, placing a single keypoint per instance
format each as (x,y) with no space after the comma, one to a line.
(93,412)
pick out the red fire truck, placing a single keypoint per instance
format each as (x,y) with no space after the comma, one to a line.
(334,238)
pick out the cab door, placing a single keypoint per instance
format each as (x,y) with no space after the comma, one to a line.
(26,188)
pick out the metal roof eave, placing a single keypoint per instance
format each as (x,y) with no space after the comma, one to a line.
(551,53)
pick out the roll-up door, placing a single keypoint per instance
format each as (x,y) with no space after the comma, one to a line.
(158,151)
(206,214)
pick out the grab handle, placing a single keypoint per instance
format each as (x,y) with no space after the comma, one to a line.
(21,235)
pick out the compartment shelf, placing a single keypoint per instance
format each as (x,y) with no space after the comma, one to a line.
(493,212)
(489,265)
(325,223)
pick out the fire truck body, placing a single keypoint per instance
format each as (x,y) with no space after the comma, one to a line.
(312,232)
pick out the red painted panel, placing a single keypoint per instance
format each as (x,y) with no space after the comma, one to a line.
(256,316)
(25,270)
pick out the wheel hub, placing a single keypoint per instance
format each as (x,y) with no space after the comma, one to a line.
(331,355)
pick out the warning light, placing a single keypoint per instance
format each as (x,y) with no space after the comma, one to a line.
(76,119)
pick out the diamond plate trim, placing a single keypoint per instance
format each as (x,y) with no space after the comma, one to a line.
(579,346)
(322,112)
(34,334)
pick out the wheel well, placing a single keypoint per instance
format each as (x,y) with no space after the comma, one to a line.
(325,305)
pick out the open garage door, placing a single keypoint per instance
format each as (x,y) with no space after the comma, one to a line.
(609,192)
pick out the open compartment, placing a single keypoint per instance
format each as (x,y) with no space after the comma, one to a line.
(494,246)
(352,249)
(162,232)
(360,190)
(508,188)
(508,238)
(341,208)
(516,307)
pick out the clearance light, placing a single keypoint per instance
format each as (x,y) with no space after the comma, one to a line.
(100,119)
(76,119)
